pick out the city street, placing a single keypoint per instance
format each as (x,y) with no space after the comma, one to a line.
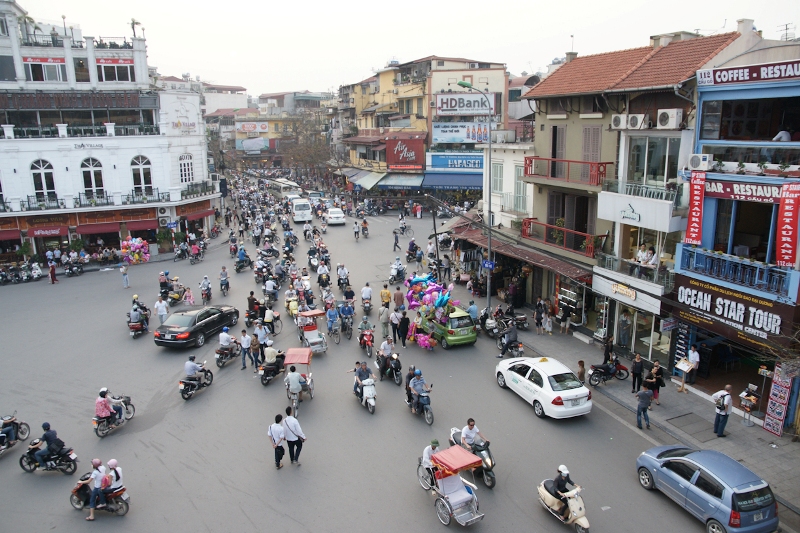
(207,464)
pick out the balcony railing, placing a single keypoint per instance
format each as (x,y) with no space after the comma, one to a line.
(3,207)
(753,274)
(145,195)
(195,189)
(43,40)
(567,170)
(660,275)
(40,202)
(670,194)
(35,132)
(559,237)
(113,43)
(514,203)
(120,130)
(93,199)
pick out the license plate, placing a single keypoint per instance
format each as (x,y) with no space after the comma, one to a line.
(576,402)
(591,371)
(73,456)
(521,349)
(216,356)
(167,336)
(260,372)
(132,333)
(463,332)
(125,496)
(495,330)
(758,516)
(180,386)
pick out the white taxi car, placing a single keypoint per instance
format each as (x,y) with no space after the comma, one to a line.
(552,388)
(335,216)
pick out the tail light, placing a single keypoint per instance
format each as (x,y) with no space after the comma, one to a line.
(182,336)
(474,328)
(776,509)
(735,520)
(590,396)
(451,332)
(557,401)
(157,334)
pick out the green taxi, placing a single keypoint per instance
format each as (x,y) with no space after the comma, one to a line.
(459,329)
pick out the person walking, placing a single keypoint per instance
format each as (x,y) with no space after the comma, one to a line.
(278,435)
(161,308)
(52,272)
(262,334)
(694,358)
(655,380)
(724,405)
(124,269)
(386,296)
(294,436)
(548,322)
(402,328)
(398,298)
(396,242)
(383,318)
(395,318)
(645,397)
(255,351)
(637,369)
(538,315)
(446,269)
(245,341)
(581,371)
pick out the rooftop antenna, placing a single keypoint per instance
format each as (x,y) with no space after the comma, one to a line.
(572,46)
(786,34)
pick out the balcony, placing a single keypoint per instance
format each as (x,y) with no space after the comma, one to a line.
(145,195)
(120,130)
(738,271)
(113,43)
(560,237)
(200,188)
(662,275)
(42,202)
(669,193)
(514,203)
(568,171)
(4,208)
(93,199)
(54,41)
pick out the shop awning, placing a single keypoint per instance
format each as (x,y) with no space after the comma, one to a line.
(452,181)
(9,235)
(401,181)
(94,229)
(48,231)
(350,172)
(368,181)
(201,214)
(379,148)
(529,255)
(135,225)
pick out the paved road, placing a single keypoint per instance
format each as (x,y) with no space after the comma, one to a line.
(207,465)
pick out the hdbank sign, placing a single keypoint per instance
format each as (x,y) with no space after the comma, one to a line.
(465,104)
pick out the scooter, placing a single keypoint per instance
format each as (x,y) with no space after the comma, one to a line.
(602,373)
(396,274)
(324,227)
(226,353)
(515,349)
(577,511)
(105,425)
(224,286)
(64,460)
(270,371)
(488,323)
(36,272)
(365,231)
(205,294)
(424,404)
(411,256)
(391,367)
(366,305)
(480,448)
(180,253)
(343,283)
(189,386)
(521,320)
(21,429)
(241,265)
(233,249)
(117,502)
(367,341)
(368,395)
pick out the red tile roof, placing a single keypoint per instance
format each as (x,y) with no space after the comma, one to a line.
(676,62)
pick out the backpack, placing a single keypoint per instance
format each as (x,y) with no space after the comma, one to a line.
(720,402)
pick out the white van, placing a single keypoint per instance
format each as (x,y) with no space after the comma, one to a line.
(301,210)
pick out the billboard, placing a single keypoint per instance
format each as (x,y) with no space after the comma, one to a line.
(461,132)
(455,162)
(405,154)
(465,104)
(250,127)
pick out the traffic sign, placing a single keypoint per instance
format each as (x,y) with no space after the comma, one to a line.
(172,225)
(488,264)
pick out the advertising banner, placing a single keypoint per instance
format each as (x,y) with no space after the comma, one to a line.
(461,132)
(785,70)
(47,60)
(749,192)
(694,225)
(405,154)
(786,242)
(113,61)
(778,401)
(465,104)
(455,162)
(246,127)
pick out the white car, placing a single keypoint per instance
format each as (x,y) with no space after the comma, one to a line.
(552,388)
(336,216)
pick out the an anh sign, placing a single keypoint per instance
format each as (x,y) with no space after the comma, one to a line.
(405,154)
(461,132)
(465,104)
(785,70)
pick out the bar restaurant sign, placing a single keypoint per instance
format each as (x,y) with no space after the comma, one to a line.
(737,316)
(765,72)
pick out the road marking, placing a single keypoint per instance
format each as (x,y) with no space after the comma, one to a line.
(627,424)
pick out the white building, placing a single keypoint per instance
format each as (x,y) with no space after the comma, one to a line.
(86,148)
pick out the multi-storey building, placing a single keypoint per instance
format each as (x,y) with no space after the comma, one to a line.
(212,96)
(88,148)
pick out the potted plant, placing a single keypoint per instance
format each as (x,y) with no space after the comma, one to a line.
(24,250)
(761,168)
(740,167)
(782,167)
(558,235)
(719,166)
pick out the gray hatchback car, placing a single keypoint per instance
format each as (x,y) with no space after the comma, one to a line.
(722,493)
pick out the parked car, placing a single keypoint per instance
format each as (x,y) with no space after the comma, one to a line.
(550,386)
(717,490)
(459,329)
(336,216)
(193,326)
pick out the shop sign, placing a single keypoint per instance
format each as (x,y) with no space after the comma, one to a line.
(465,104)
(778,401)
(184,125)
(71,100)
(246,127)
(668,324)
(113,61)
(619,288)
(784,70)
(455,162)
(625,294)
(461,132)
(48,220)
(44,60)
(786,245)
(735,315)
(694,226)
(49,232)
(630,214)
(405,154)
(748,192)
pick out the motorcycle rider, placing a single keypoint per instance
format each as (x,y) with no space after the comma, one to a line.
(307,230)
(364,225)
(278,270)
(418,385)
(116,476)
(223,278)
(510,337)
(241,256)
(225,340)
(195,371)
(52,445)
(138,317)
(294,380)
(104,404)
(398,265)
(293,269)
(332,315)
(139,305)
(364,325)
(561,482)
(362,373)
(349,295)
(7,429)
(412,246)
(269,288)
(346,311)
(468,434)
(322,269)
(341,273)
(366,293)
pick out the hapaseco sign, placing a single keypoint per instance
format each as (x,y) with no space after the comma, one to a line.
(468,104)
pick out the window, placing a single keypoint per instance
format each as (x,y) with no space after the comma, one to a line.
(562,382)
(520,188)
(142,177)
(514,95)
(497,177)
(92,172)
(708,485)
(752,501)
(45,72)
(116,73)
(653,160)
(420,107)
(536,378)
(683,470)
(7,71)
(522,370)
(43,181)
(81,70)
(439,63)
(276,127)
(3,26)
(186,168)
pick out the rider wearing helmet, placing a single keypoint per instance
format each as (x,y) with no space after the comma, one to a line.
(412,246)
(138,313)
(193,370)
(105,403)
(206,285)
(96,479)
(116,476)
(418,385)
(365,324)
(561,481)
(225,340)
(52,445)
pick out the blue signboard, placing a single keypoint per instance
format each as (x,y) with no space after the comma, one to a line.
(456,162)
(489,265)
(172,225)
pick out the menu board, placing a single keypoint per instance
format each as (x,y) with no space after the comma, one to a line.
(778,400)
(681,344)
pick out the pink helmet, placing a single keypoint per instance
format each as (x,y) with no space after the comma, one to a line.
(112,463)
(96,462)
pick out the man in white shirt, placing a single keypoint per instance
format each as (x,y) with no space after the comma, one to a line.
(294,436)
(468,434)
(722,399)
(783,135)
(161,308)
(641,255)
(694,358)
(245,341)
(366,292)
(431,249)
(293,379)
(269,288)
(225,339)
(277,435)
(262,334)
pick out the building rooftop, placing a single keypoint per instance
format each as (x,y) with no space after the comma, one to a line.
(233,112)
(440,58)
(173,78)
(233,88)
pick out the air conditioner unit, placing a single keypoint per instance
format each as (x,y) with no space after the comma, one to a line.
(433,103)
(638,122)
(473,65)
(700,162)
(394,91)
(619,122)
(162,210)
(382,130)
(162,222)
(669,119)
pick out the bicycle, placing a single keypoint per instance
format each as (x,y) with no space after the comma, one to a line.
(407,233)
(335,335)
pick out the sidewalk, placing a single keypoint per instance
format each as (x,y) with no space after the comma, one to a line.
(689,418)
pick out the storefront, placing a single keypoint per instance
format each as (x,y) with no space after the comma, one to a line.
(195,218)
(10,240)
(455,176)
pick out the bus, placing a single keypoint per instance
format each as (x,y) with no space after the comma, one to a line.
(281,187)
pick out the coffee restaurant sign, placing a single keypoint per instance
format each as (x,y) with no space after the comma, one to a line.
(765,72)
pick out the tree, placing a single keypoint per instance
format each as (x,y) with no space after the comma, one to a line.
(27,20)
(135,23)
(311,149)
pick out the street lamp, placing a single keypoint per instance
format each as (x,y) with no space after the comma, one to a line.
(468,85)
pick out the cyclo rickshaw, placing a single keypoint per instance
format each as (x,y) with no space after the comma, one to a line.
(299,356)
(455,497)
(308,333)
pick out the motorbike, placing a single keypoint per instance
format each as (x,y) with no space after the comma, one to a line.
(602,373)
(21,429)
(196,258)
(488,323)
(269,371)
(105,425)
(116,502)
(515,349)
(241,265)
(480,448)
(425,406)
(368,395)
(4,277)
(260,275)
(365,231)
(205,294)
(233,249)
(313,262)
(180,253)
(137,328)
(324,281)
(324,227)
(214,232)
(577,511)
(366,305)
(173,296)
(396,273)
(390,366)
(411,256)
(250,317)
(307,235)
(189,386)
(520,319)
(367,341)
(64,460)
(443,213)
(343,283)
(224,354)
(70,269)
(224,286)
(36,272)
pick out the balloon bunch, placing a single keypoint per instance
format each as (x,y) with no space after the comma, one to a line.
(430,298)
(135,250)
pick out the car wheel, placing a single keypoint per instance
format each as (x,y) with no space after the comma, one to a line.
(445,344)
(501,380)
(234,320)
(645,478)
(538,410)
(714,527)
(201,339)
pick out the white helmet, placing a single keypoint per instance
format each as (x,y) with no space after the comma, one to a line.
(563,470)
